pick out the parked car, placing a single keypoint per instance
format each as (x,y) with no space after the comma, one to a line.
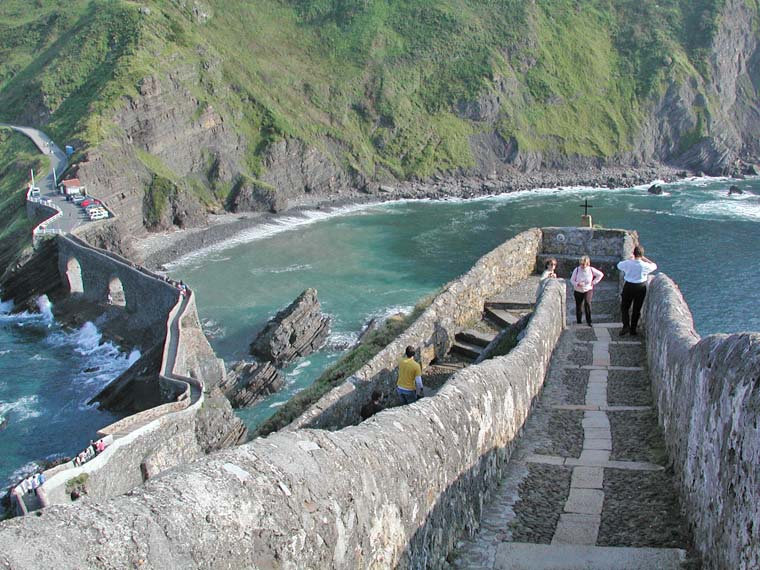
(77,198)
(89,200)
(93,207)
(98,215)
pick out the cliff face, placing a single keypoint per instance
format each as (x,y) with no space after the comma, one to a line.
(220,145)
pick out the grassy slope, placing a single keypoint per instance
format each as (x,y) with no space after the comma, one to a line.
(382,76)
(17,156)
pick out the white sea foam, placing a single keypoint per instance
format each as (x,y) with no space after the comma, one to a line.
(45,307)
(276,270)
(6,307)
(263,231)
(341,340)
(23,408)
(278,404)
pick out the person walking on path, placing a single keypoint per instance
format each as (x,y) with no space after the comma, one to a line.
(550,269)
(584,278)
(409,386)
(636,271)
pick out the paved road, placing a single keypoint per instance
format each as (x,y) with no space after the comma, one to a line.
(73,215)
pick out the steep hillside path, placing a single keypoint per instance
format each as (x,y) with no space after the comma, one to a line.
(586,487)
(72,215)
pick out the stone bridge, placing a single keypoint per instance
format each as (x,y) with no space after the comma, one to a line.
(402,489)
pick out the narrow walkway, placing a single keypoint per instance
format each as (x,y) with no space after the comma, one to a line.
(586,487)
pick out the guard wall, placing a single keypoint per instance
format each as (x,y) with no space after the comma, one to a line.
(147,298)
(395,491)
(708,395)
(461,302)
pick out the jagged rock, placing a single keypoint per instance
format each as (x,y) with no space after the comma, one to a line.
(217,427)
(298,330)
(371,326)
(749,170)
(248,382)
(655,189)
(735,190)
(256,196)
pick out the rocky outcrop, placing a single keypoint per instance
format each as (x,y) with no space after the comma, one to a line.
(256,196)
(248,382)
(655,189)
(216,425)
(298,330)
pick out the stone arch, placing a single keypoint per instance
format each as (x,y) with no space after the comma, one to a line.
(116,293)
(74,275)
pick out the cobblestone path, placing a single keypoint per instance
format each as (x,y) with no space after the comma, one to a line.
(586,487)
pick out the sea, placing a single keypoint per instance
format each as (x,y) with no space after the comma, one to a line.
(371,261)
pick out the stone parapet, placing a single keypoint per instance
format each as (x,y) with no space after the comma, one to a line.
(432,334)
(396,491)
(708,398)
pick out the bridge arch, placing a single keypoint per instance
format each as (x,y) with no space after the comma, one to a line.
(74,275)
(116,293)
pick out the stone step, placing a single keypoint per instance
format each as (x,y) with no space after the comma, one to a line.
(466,349)
(501,317)
(506,304)
(479,338)
(525,556)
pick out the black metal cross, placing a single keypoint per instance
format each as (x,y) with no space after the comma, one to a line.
(585,207)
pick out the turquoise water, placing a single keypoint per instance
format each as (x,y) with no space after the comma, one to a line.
(377,260)
(368,262)
(47,374)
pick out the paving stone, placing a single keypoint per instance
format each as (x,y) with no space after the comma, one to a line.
(596,419)
(545,459)
(636,436)
(641,509)
(629,388)
(596,399)
(595,376)
(597,433)
(627,354)
(542,498)
(587,478)
(585,501)
(520,556)
(576,529)
(594,456)
(598,444)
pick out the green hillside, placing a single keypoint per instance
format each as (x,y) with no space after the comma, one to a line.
(382,77)
(17,157)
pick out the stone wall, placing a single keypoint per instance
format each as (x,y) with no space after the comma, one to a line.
(459,303)
(708,394)
(148,299)
(168,435)
(395,491)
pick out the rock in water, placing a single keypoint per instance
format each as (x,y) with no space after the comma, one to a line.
(298,330)
(248,382)
(735,190)
(655,189)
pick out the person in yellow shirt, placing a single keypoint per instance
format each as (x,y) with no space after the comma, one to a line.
(409,386)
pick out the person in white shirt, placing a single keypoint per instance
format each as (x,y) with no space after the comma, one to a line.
(584,278)
(636,271)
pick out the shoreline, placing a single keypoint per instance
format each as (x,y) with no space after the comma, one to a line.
(160,249)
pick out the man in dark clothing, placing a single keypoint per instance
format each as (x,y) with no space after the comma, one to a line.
(373,406)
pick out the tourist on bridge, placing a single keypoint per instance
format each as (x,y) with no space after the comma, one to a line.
(636,271)
(584,279)
(550,269)
(409,386)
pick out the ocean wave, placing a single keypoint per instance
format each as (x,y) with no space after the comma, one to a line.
(277,270)
(22,409)
(266,230)
(341,340)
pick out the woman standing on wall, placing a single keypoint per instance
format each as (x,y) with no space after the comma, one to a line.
(584,278)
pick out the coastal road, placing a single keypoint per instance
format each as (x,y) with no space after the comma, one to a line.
(73,215)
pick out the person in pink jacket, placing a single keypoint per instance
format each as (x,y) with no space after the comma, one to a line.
(584,278)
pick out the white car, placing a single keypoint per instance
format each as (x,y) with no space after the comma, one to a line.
(97,214)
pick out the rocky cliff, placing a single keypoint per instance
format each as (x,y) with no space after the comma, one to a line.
(562,86)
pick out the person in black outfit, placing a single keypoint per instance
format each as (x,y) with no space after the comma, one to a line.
(373,406)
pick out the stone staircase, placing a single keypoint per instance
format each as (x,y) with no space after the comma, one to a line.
(586,487)
(499,313)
